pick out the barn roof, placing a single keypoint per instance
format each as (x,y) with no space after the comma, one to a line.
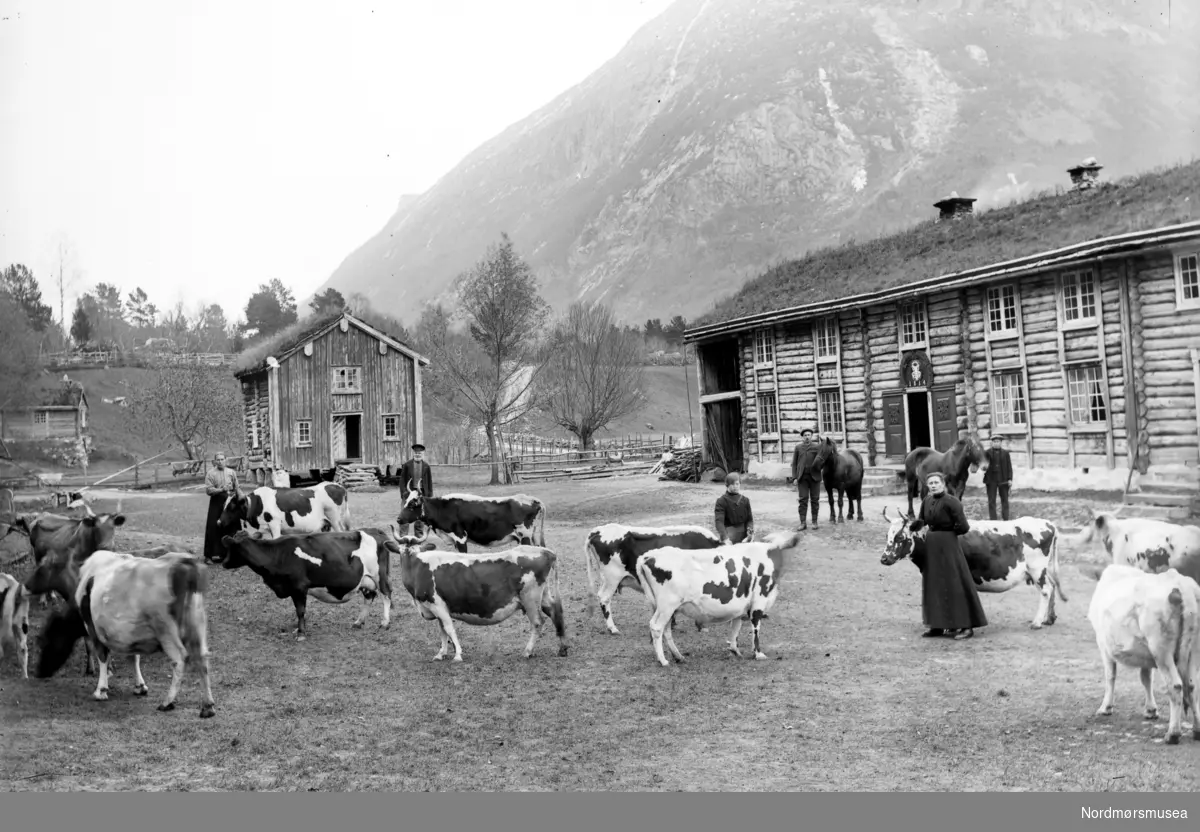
(1037,233)
(288,342)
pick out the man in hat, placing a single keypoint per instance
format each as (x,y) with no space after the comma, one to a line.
(998,476)
(415,475)
(807,461)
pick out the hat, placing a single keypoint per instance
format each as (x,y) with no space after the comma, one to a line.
(999,436)
(806,432)
(417,446)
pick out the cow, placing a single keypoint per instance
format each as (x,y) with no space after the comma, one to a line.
(1150,621)
(965,457)
(140,606)
(332,567)
(482,589)
(733,583)
(1001,554)
(485,521)
(1150,545)
(14,619)
(60,543)
(843,472)
(615,549)
(277,511)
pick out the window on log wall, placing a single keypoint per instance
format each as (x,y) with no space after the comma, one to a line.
(1002,310)
(830,411)
(912,324)
(1085,392)
(764,346)
(391,427)
(1008,400)
(304,433)
(1079,298)
(1187,281)
(768,414)
(825,334)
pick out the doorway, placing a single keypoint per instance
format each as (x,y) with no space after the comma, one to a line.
(723,434)
(919,434)
(347,437)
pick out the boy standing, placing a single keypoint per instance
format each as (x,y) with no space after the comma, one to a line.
(732,515)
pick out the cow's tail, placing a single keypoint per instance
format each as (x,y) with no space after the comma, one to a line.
(188,579)
(643,573)
(1054,568)
(1183,644)
(541,521)
(589,553)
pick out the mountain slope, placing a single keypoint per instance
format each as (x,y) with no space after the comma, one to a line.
(730,134)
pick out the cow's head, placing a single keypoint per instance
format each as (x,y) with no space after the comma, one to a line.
(235,548)
(63,544)
(236,511)
(903,534)
(413,507)
(411,544)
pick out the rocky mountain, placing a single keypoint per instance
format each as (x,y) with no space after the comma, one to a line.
(730,134)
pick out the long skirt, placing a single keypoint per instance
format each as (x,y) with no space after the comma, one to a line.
(949,598)
(213,548)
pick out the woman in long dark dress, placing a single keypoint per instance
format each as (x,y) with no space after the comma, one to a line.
(949,599)
(218,485)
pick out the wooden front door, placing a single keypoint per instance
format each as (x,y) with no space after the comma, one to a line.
(893,425)
(945,418)
(339,438)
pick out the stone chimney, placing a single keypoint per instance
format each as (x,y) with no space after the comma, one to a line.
(1085,175)
(954,207)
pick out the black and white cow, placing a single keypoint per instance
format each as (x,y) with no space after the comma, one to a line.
(1149,544)
(734,583)
(482,589)
(14,619)
(484,521)
(322,507)
(1001,554)
(615,549)
(330,566)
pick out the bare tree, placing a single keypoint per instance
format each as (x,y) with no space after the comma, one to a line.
(488,372)
(595,375)
(189,405)
(66,266)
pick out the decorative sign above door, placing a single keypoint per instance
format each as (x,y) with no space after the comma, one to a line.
(916,369)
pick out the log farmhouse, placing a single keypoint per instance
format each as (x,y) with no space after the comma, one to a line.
(338,394)
(60,414)
(1069,323)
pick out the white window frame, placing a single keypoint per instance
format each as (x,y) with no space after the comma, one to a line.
(767,415)
(828,328)
(44,417)
(1102,386)
(394,437)
(997,292)
(826,428)
(301,442)
(920,319)
(1182,302)
(1019,387)
(764,347)
(346,380)
(1073,280)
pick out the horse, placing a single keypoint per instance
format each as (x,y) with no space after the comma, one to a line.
(953,464)
(843,470)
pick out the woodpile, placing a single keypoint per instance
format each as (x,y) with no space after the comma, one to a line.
(683,465)
(356,475)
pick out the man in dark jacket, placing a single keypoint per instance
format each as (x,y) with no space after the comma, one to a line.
(415,475)
(998,477)
(734,518)
(807,461)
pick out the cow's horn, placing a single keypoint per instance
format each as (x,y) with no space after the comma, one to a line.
(885,515)
(410,485)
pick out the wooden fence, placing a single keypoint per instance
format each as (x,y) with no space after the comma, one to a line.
(116,358)
(140,476)
(526,457)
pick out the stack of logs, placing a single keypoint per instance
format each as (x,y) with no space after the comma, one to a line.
(353,475)
(682,465)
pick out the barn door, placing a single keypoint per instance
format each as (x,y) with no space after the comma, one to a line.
(893,425)
(339,438)
(945,419)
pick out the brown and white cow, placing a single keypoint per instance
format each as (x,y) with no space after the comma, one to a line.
(1148,544)
(483,589)
(1150,621)
(330,566)
(277,511)
(14,619)
(484,521)
(615,549)
(1001,554)
(136,606)
(733,583)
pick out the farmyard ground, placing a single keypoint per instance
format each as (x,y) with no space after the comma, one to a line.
(851,698)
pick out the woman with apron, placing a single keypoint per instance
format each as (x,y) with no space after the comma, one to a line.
(218,485)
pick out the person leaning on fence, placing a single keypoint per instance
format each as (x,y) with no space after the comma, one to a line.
(949,600)
(808,460)
(998,476)
(219,484)
(733,516)
(416,475)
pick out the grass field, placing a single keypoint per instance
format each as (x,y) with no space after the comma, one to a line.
(851,698)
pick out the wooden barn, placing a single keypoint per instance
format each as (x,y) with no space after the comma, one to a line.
(61,414)
(1081,346)
(339,393)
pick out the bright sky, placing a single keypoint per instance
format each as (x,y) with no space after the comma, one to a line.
(198,148)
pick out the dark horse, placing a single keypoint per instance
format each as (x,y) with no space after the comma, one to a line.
(964,458)
(843,470)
